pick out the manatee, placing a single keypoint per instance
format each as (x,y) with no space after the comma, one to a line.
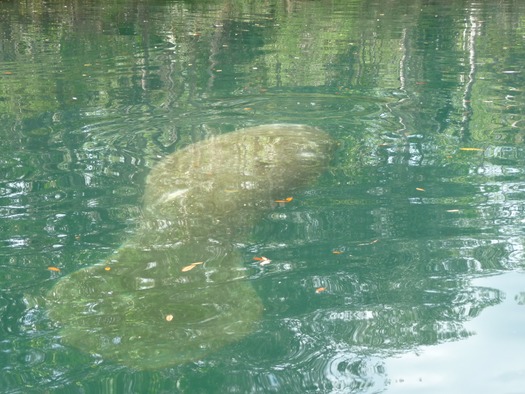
(143,307)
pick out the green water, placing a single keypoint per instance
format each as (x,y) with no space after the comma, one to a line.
(400,270)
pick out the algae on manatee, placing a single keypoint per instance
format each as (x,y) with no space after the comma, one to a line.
(138,307)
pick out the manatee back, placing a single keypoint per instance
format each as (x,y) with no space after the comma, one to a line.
(235,175)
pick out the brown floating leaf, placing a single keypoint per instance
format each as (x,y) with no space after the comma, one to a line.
(54,269)
(320,289)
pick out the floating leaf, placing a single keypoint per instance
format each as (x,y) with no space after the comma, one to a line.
(191,266)
(452,210)
(54,269)
(337,252)
(284,200)
(169,317)
(107,268)
(263,260)
(420,189)
(320,290)
(471,149)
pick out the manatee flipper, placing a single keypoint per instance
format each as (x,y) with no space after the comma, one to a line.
(140,308)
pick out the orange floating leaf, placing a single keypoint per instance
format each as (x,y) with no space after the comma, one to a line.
(191,266)
(285,200)
(54,269)
(263,260)
(320,290)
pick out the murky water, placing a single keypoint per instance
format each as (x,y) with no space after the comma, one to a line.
(399,270)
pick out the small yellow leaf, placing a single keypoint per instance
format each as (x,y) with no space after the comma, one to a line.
(169,317)
(54,269)
(284,200)
(420,189)
(107,268)
(471,149)
(337,252)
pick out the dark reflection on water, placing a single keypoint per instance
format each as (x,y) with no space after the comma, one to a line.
(405,234)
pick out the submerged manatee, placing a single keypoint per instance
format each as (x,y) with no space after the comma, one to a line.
(139,307)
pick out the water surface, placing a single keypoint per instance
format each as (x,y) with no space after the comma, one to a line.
(400,269)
